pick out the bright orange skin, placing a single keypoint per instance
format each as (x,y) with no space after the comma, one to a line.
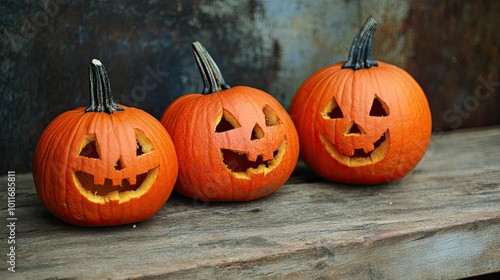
(57,157)
(191,121)
(409,121)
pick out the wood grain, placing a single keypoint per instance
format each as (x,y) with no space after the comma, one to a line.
(442,221)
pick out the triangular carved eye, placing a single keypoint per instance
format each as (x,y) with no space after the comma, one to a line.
(89,147)
(226,122)
(272,118)
(139,150)
(332,110)
(379,108)
(119,164)
(144,145)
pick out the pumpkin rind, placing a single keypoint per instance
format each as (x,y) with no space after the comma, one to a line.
(326,145)
(192,122)
(58,162)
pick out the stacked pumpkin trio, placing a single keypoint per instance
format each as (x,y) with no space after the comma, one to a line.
(361,122)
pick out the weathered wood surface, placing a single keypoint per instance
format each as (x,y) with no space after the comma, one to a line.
(442,221)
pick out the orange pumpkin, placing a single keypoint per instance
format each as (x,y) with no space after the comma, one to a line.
(362,121)
(233,144)
(106,164)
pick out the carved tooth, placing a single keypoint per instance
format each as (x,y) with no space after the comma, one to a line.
(252,156)
(132,180)
(117,182)
(99,180)
(369,149)
(268,156)
(348,153)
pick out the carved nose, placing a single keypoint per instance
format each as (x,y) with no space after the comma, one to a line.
(257,132)
(119,164)
(353,129)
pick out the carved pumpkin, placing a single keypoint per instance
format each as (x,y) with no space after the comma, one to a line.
(233,144)
(106,164)
(363,121)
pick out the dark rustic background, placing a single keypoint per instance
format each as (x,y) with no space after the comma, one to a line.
(450,47)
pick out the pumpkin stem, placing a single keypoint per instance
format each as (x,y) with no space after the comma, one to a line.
(101,97)
(212,77)
(360,55)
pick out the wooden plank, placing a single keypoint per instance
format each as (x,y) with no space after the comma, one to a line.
(442,221)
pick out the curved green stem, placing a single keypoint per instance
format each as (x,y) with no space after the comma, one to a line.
(101,97)
(360,55)
(212,77)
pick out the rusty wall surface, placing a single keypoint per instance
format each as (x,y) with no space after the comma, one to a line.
(450,47)
(455,56)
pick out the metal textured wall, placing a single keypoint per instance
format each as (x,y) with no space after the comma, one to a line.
(450,47)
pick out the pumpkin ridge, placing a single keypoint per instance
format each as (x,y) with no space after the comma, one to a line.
(69,117)
(81,121)
(183,111)
(421,114)
(51,137)
(118,121)
(317,83)
(338,89)
(383,79)
(387,73)
(149,124)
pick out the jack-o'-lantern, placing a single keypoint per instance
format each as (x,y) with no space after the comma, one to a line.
(233,143)
(106,164)
(362,121)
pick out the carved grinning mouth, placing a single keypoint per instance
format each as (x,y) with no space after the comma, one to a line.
(359,157)
(242,167)
(239,162)
(125,191)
